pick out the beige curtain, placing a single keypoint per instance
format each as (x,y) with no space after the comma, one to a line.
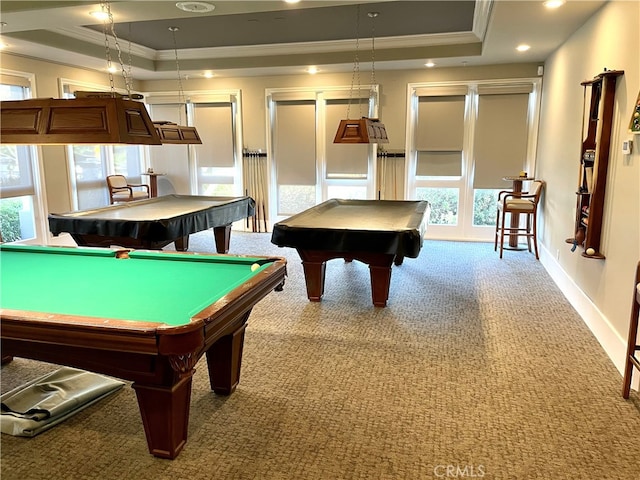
(390,181)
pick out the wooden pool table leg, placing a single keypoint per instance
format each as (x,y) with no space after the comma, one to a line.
(224,359)
(222,237)
(380,272)
(182,243)
(165,415)
(314,265)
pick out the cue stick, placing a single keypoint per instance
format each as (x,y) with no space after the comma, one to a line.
(256,221)
(263,180)
(246,194)
(256,178)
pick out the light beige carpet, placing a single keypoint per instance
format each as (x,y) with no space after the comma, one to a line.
(463,375)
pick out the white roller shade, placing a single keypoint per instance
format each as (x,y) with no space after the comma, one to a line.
(357,96)
(16,80)
(342,159)
(500,145)
(293,96)
(214,122)
(188,98)
(167,154)
(439,164)
(294,142)
(440,123)
(440,91)
(512,88)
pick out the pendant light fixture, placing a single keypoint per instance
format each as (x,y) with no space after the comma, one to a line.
(363,130)
(170,132)
(97,118)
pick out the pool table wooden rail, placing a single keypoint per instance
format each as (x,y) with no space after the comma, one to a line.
(159,359)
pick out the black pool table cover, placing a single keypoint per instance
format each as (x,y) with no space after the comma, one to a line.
(163,218)
(381,226)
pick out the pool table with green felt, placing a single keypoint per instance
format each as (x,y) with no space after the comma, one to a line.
(142,316)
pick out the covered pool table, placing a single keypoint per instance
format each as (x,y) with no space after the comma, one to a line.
(155,222)
(376,232)
(142,316)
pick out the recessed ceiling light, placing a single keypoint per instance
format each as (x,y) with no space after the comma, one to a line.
(291,1)
(195,7)
(112,69)
(523,47)
(3,45)
(99,15)
(429,64)
(207,74)
(312,70)
(554,3)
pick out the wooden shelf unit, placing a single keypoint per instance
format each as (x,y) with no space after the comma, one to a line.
(599,96)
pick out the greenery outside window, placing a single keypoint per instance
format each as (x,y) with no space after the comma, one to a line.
(444,204)
(484,207)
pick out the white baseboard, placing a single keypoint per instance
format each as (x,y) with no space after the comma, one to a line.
(613,344)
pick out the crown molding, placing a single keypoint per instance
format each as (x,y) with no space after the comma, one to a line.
(458,38)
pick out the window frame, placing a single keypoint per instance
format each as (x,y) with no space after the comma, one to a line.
(106,155)
(464,229)
(38,197)
(320,95)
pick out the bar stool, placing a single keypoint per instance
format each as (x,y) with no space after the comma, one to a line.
(516,204)
(632,344)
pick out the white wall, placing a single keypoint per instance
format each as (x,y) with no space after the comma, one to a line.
(601,290)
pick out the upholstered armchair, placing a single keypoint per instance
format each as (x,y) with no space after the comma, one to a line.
(122,191)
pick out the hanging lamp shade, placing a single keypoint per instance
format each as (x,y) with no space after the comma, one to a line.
(365,130)
(104,119)
(173,133)
(97,118)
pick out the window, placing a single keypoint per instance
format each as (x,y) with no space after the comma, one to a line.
(19,203)
(484,207)
(462,140)
(307,166)
(444,204)
(213,167)
(217,172)
(90,164)
(294,152)
(439,166)
(501,134)
(440,135)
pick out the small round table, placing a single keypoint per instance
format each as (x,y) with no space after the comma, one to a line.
(515,217)
(153,182)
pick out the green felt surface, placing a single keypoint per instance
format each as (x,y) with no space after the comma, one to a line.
(148,286)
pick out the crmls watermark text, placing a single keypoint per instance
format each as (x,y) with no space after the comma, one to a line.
(457,471)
